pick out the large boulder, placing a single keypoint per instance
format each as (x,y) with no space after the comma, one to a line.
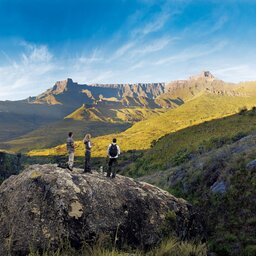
(46,205)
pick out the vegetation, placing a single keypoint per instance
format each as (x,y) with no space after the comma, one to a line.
(218,155)
(94,122)
(9,165)
(170,247)
(55,133)
(203,108)
(179,147)
(106,114)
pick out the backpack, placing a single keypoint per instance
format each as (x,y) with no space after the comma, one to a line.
(113,152)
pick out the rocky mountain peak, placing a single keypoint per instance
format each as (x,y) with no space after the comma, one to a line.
(205,75)
(48,204)
(61,86)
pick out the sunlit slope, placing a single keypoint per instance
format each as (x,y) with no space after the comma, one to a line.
(196,138)
(83,120)
(121,114)
(205,107)
(247,88)
(54,134)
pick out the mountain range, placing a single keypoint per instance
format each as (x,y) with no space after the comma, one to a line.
(43,121)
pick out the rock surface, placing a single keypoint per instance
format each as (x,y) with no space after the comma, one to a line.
(45,205)
(251,166)
(219,187)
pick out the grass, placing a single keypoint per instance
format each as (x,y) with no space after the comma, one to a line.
(140,136)
(55,133)
(95,123)
(170,247)
(176,148)
(108,114)
(229,217)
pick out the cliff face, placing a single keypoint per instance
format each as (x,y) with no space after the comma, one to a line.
(65,91)
(46,205)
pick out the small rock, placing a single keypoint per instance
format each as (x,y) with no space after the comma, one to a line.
(219,187)
(251,166)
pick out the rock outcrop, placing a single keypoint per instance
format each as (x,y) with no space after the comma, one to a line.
(46,205)
(63,92)
(251,166)
(204,75)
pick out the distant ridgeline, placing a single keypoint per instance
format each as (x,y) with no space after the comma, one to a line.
(9,165)
(137,114)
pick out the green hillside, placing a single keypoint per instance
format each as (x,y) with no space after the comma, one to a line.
(212,173)
(84,120)
(55,133)
(140,136)
(113,115)
(175,148)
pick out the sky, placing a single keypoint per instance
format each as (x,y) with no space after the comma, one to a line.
(123,41)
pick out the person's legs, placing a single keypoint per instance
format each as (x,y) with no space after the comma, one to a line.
(114,167)
(110,162)
(89,162)
(71,160)
(87,165)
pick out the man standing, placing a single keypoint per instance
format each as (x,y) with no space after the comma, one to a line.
(113,153)
(71,150)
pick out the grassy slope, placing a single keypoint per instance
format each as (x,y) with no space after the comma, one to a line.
(140,136)
(80,122)
(199,137)
(131,114)
(229,217)
(56,133)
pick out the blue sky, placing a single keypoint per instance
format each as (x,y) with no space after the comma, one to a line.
(123,41)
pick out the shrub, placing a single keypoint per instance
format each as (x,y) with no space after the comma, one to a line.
(242,110)
(181,157)
(250,250)
(169,247)
(172,247)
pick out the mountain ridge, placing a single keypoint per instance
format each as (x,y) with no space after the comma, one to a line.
(115,103)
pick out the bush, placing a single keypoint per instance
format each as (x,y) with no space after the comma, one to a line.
(181,157)
(242,110)
(172,247)
(250,250)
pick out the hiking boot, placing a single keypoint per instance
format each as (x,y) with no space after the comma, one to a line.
(113,176)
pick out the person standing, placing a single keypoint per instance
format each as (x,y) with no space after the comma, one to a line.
(71,151)
(87,158)
(113,153)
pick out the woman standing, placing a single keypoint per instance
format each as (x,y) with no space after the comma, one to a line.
(87,159)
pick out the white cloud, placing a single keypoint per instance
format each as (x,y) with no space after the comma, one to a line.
(156,24)
(96,56)
(192,53)
(237,73)
(219,24)
(121,51)
(27,72)
(155,46)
